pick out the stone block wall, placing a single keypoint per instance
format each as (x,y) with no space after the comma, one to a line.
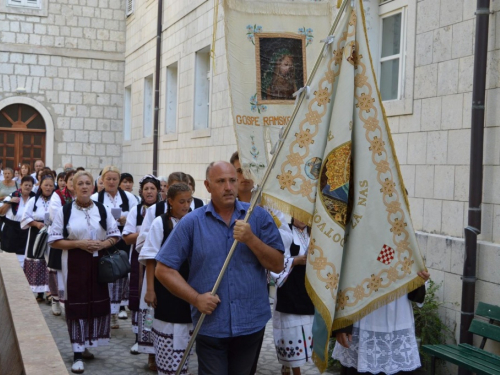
(433,143)
(71,62)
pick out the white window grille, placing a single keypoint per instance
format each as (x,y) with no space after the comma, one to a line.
(130,7)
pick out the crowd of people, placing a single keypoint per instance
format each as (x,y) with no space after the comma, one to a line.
(176,246)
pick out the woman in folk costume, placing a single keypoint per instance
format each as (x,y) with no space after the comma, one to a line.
(294,310)
(159,208)
(382,342)
(120,203)
(35,216)
(83,229)
(172,326)
(197,202)
(56,285)
(149,189)
(127,184)
(14,238)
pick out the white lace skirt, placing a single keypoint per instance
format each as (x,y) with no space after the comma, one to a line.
(383,341)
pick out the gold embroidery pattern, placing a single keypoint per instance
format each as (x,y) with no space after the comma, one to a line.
(292,176)
(368,114)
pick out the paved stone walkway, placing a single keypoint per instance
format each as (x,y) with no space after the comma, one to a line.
(116,358)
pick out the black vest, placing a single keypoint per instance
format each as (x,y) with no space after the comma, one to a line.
(292,295)
(125,206)
(139,218)
(67,214)
(170,308)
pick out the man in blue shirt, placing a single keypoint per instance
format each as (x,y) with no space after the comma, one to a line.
(236,317)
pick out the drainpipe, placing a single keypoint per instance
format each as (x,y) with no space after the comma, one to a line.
(157,88)
(476,172)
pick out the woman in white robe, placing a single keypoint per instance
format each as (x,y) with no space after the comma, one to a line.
(13,236)
(382,342)
(172,326)
(90,229)
(149,189)
(120,203)
(35,216)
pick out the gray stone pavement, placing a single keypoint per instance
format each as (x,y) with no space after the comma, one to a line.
(116,358)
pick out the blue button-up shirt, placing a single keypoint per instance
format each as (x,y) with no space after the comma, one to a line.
(204,239)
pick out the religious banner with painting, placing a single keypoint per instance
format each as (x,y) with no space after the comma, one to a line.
(338,172)
(271,46)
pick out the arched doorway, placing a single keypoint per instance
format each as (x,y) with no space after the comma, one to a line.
(22,135)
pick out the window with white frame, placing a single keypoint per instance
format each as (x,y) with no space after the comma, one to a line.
(147,116)
(171,99)
(127,113)
(202,89)
(25,3)
(394,52)
(130,7)
(392,55)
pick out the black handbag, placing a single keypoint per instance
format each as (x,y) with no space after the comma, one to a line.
(113,266)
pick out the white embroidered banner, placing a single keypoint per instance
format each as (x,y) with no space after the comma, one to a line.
(271,47)
(338,172)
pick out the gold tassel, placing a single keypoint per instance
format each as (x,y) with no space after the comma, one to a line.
(339,3)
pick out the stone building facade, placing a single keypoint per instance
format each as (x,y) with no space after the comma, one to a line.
(428,107)
(186,37)
(65,59)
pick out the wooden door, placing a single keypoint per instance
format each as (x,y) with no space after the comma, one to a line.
(22,136)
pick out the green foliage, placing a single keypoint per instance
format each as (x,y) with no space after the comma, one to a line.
(428,325)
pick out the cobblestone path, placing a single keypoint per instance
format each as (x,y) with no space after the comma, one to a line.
(116,358)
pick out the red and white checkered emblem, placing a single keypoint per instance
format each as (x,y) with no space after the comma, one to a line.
(386,255)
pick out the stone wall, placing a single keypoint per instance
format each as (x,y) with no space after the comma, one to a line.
(71,62)
(187,28)
(26,344)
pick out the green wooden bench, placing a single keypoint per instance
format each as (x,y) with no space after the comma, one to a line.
(467,356)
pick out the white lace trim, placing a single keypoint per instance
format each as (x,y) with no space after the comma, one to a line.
(388,352)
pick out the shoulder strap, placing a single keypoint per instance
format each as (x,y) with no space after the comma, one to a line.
(139,218)
(198,203)
(100,196)
(125,203)
(103,214)
(34,203)
(167,227)
(160,208)
(66,215)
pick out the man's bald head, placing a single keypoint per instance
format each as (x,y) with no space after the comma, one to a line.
(217,166)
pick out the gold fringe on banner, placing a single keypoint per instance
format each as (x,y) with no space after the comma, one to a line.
(339,3)
(287,208)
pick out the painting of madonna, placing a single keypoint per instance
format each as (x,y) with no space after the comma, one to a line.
(281,70)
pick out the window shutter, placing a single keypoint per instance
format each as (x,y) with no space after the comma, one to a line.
(130,7)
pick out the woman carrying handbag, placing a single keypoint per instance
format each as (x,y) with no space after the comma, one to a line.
(83,229)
